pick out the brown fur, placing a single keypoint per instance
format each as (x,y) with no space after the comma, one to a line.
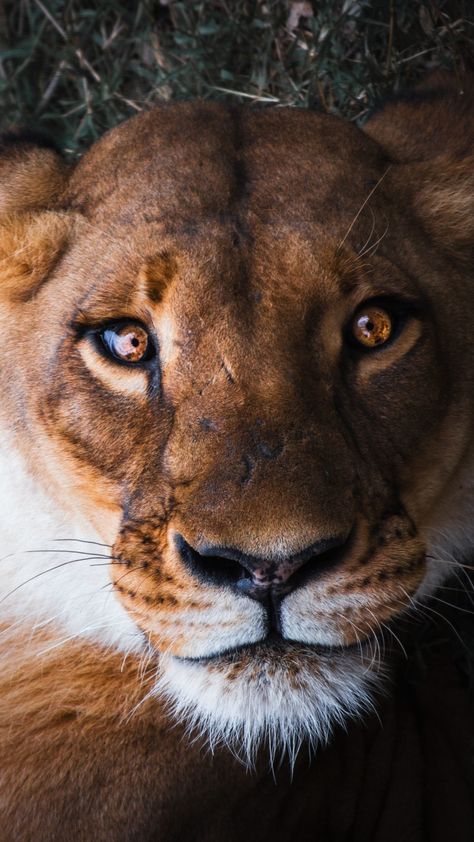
(77,763)
(246,240)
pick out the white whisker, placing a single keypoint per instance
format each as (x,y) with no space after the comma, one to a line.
(363,205)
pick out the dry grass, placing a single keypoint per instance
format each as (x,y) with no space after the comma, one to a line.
(77,68)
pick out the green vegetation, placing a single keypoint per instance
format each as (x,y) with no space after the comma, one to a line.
(77,67)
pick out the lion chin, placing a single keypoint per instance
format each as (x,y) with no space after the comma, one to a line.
(274,696)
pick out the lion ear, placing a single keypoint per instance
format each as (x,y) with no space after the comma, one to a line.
(32,173)
(427,133)
(33,228)
(31,245)
(442,193)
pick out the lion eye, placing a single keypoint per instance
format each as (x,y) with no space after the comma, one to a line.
(372,326)
(127,342)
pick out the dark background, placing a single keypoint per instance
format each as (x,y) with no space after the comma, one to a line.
(77,68)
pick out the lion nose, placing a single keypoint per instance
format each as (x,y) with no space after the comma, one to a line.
(258,577)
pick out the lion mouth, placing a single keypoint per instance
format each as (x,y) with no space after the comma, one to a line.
(275,645)
(213,603)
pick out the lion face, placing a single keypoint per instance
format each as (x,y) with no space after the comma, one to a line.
(240,368)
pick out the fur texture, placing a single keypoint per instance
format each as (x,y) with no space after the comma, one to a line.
(256,450)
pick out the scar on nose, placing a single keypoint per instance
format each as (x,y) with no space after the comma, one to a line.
(249,466)
(228,373)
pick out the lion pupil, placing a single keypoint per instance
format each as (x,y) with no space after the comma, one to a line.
(369,325)
(135,342)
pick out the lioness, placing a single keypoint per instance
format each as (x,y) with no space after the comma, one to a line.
(236,436)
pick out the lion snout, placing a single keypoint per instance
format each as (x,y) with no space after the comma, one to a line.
(262,578)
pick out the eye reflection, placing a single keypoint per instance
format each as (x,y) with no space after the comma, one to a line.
(372,326)
(127,342)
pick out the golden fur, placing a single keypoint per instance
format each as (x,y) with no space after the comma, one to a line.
(245,241)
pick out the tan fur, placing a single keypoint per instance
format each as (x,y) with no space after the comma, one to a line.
(30,245)
(31,178)
(59,705)
(245,241)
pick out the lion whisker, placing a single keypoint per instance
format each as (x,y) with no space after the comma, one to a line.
(452,605)
(42,573)
(90,627)
(366,244)
(127,573)
(378,625)
(422,608)
(79,541)
(372,249)
(363,205)
(396,638)
(76,552)
(456,564)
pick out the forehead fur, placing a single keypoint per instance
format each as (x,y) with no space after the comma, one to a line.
(176,165)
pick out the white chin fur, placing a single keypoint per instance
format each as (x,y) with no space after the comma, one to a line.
(277,700)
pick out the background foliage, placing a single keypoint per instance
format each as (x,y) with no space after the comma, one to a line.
(77,67)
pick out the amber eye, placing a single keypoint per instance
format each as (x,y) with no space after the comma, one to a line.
(372,326)
(127,342)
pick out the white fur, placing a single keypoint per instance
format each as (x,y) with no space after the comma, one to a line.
(231,620)
(265,703)
(45,577)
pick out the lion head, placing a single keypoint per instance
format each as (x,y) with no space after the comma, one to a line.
(236,351)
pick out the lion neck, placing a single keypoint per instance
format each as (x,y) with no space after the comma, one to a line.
(381,780)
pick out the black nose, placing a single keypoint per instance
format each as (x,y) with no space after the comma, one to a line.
(258,577)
